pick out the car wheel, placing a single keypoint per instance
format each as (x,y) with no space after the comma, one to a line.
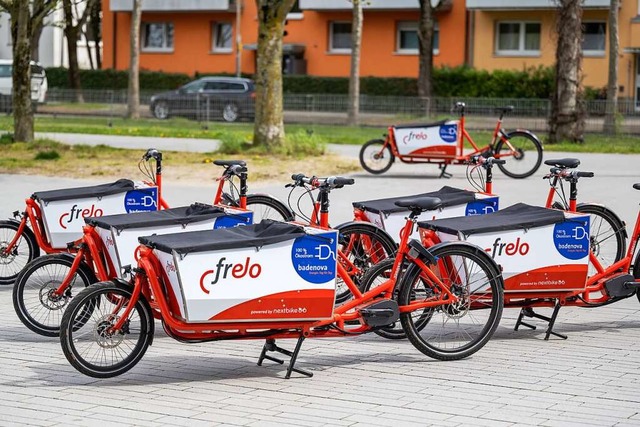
(230,112)
(161,110)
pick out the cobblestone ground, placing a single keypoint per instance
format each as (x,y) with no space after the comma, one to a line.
(592,378)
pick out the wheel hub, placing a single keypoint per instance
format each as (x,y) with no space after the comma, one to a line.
(50,299)
(519,154)
(595,246)
(104,334)
(7,257)
(460,308)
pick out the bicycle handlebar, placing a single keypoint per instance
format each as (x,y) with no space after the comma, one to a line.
(486,162)
(301,180)
(152,153)
(568,175)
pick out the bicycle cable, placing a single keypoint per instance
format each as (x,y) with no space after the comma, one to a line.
(145,169)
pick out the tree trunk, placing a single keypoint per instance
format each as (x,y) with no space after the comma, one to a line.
(612,84)
(269,127)
(71,32)
(133,110)
(22,110)
(354,78)
(426,29)
(567,118)
(95,23)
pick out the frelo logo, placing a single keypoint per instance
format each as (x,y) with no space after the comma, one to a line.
(110,241)
(509,249)
(414,136)
(170,267)
(77,213)
(238,271)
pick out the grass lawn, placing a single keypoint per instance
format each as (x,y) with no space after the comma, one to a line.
(332,134)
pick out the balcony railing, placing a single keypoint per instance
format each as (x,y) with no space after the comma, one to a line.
(174,5)
(530,4)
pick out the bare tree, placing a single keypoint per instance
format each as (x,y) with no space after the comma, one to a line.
(612,84)
(74,23)
(25,18)
(95,24)
(37,32)
(133,107)
(354,77)
(269,126)
(567,116)
(426,29)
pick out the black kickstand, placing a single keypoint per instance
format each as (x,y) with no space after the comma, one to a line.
(270,345)
(528,312)
(443,171)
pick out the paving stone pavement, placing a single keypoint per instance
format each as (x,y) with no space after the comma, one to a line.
(592,378)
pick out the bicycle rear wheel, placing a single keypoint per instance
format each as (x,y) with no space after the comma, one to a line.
(24,251)
(459,329)
(526,158)
(608,239)
(86,337)
(267,207)
(360,245)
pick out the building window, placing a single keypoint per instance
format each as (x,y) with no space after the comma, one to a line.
(295,13)
(222,37)
(518,38)
(340,37)
(594,39)
(157,37)
(407,38)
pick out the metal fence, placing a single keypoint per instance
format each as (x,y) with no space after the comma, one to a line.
(374,110)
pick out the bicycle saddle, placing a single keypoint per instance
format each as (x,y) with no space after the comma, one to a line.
(563,163)
(636,186)
(229,162)
(420,203)
(505,109)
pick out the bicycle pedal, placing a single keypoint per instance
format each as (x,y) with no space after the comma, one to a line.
(380,313)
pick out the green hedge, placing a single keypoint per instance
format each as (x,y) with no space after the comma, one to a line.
(447,82)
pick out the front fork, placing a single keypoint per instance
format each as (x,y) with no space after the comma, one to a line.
(21,227)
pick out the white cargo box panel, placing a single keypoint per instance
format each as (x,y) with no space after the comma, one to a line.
(271,271)
(63,211)
(538,249)
(438,139)
(120,233)
(455,202)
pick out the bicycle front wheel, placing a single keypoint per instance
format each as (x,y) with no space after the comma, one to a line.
(523,154)
(16,259)
(88,341)
(267,207)
(375,158)
(37,304)
(360,245)
(608,241)
(455,330)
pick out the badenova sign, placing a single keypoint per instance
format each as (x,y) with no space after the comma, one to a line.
(440,139)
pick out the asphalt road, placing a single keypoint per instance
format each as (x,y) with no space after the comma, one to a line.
(592,378)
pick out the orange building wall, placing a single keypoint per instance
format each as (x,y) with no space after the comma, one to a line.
(595,68)
(192,42)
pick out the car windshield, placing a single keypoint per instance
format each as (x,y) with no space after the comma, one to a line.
(5,70)
(193,86)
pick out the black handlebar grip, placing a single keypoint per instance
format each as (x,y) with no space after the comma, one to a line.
(340,181)
(297,176)
(582,174)
(499,161)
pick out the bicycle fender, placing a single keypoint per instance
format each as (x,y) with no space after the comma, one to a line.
(528,132)
(610,212)
(372,225)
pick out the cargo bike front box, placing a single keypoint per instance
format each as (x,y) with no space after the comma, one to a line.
(63,211)
(538,249)
(439,139)
(455,202)
(271,271)
(120,233)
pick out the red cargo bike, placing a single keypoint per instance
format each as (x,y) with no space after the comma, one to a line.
(442,143)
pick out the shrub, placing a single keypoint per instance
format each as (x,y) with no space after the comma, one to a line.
(47,155)
(113,79)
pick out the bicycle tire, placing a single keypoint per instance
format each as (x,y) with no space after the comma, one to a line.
(486,298)
(351,246)
(34,277)
(383,161)
(636,272)
(520,139)
(25,251)
(98,299)
(267,207)
(608,240)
